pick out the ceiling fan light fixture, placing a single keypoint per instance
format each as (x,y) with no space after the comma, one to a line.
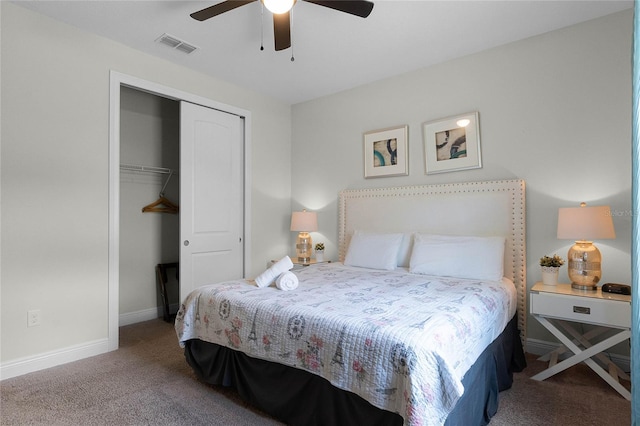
(278,6)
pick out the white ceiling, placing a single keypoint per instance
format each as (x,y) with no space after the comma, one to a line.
(333,51)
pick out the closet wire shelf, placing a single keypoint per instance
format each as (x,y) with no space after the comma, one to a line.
(147,169)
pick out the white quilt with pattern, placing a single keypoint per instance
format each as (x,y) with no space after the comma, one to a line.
(401,341)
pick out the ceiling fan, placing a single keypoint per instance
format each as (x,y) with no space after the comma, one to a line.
(281,13)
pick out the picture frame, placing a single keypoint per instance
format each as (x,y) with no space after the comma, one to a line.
(385,152)
(452,143)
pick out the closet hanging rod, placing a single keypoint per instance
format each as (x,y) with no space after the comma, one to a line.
(147,169)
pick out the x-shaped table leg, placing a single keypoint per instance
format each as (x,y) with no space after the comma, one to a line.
(583,355)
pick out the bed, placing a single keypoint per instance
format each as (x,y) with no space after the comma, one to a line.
(420,322)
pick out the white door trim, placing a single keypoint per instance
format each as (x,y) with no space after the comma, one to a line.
(116,80)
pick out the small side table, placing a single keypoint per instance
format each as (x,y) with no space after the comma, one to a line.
(554,306)
(297,263)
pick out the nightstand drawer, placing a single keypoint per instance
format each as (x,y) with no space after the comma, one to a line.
(582,309)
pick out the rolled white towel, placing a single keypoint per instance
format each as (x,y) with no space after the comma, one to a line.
(287,281)
(266,278)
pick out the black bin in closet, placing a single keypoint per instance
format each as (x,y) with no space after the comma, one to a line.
(162,279)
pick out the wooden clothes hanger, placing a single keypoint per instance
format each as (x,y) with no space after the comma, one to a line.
(162,204)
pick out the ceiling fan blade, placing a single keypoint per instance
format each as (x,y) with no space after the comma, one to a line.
(217,9)
(282,30)
(361,8)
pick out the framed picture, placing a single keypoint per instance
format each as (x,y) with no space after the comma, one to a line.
(452,144)
(385,152)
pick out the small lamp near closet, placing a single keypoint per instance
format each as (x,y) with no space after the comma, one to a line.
(583,225)
(304,222)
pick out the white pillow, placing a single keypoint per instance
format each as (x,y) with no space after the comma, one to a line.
(404,252)
(373,250)
(479,258)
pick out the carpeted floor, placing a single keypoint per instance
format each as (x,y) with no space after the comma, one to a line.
(147,382)
(577,396)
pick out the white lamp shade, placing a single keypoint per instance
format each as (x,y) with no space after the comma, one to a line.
(585,223)
(304,221)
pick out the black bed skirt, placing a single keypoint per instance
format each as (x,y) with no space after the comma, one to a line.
(297,397)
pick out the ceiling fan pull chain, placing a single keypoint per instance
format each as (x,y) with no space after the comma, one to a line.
(291,26)
(261,26)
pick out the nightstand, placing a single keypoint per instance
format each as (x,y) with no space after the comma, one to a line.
(310,262)
(298,265)
(554,306)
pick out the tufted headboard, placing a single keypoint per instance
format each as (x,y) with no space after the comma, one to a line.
(491,208)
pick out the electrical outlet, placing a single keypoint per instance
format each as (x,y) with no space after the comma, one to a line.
(33,317)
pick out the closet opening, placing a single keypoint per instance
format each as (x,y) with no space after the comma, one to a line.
(146,126)
(149,206)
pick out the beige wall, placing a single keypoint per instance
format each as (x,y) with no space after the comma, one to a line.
(55,178)
(555,110)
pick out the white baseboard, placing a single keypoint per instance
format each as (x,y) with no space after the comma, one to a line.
(139,316)
(74,353)
(52,359)
(541,347)
(144,315)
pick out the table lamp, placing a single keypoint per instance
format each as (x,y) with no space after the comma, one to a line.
(583,225)
(304,222)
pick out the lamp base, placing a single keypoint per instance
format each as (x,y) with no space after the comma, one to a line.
(584,266)
(585,287)
(303,247)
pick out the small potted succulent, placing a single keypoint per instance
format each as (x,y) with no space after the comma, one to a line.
(319,252)
(550,267)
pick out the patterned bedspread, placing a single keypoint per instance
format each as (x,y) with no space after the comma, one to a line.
(401,341)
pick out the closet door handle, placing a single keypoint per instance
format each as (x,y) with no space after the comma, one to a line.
(186,243)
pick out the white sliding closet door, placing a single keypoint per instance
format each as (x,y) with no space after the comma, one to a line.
(211,197)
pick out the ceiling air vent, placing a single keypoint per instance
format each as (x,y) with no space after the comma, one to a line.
(176,43)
